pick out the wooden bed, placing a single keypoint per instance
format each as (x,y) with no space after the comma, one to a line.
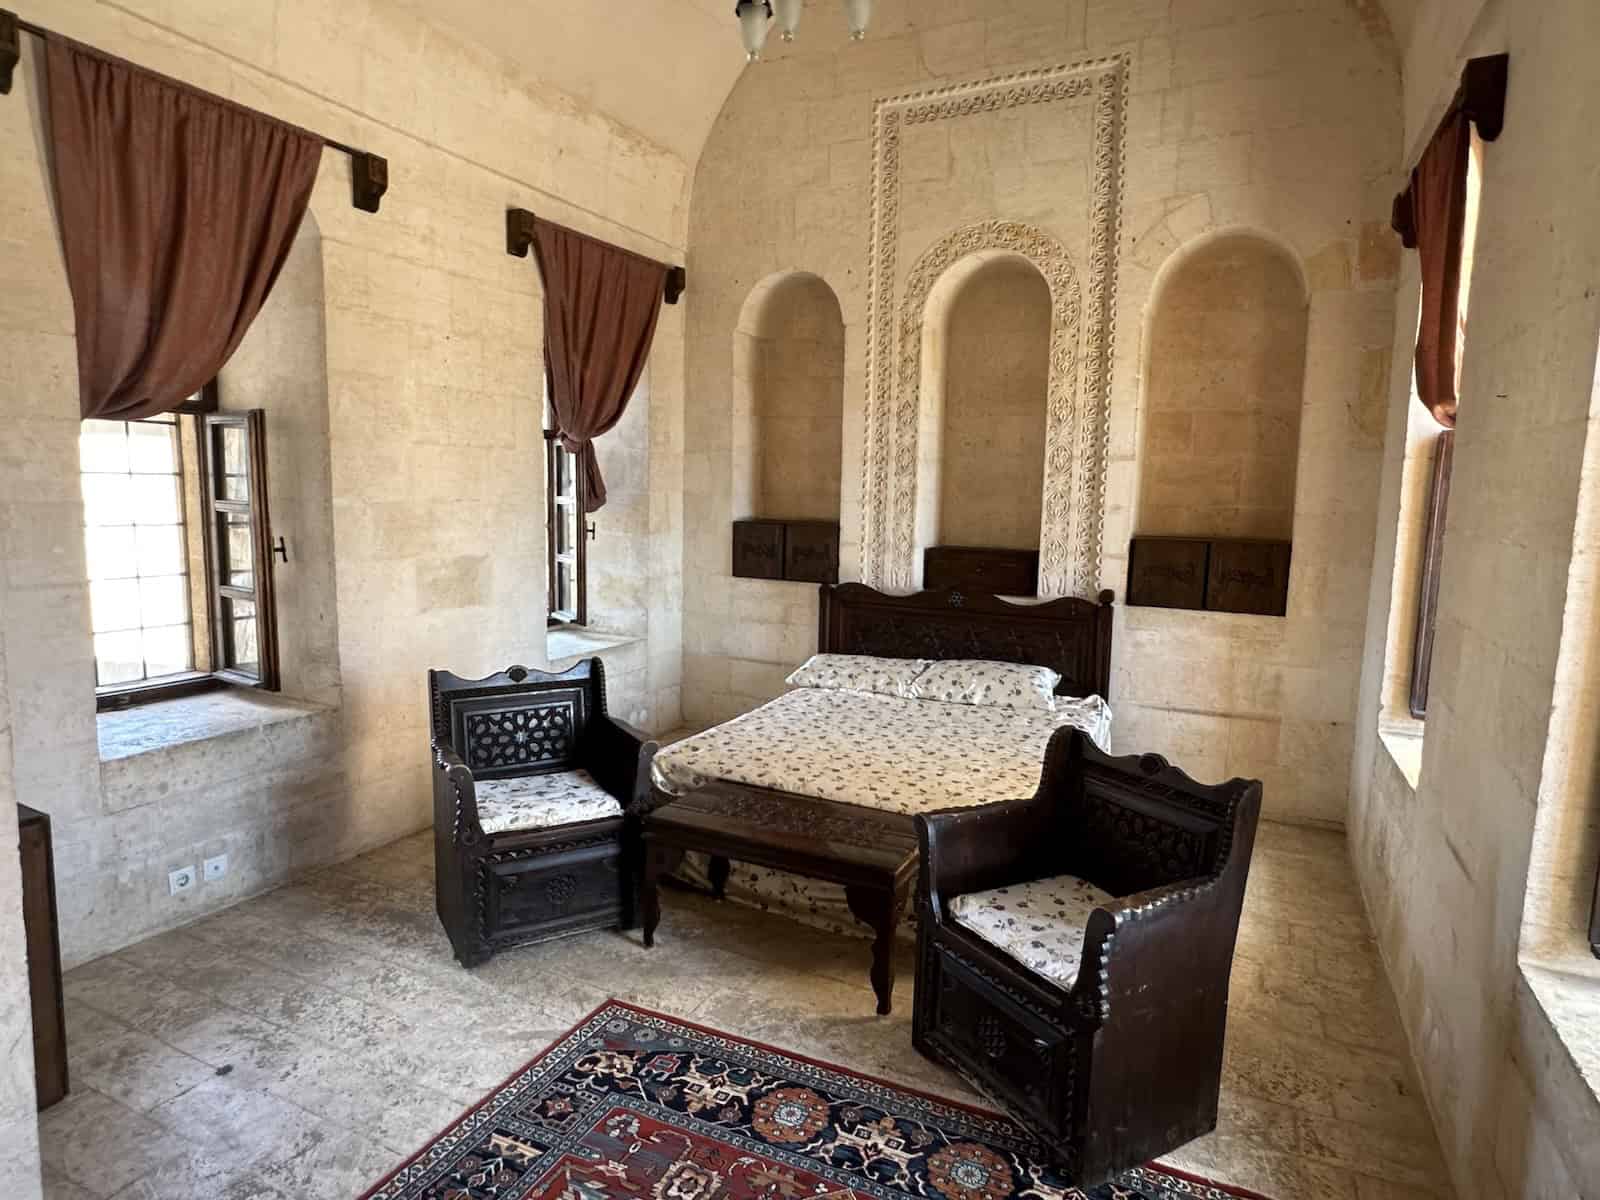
(1070,636)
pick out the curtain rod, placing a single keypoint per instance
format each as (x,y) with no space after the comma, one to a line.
(369,173)
(519,240)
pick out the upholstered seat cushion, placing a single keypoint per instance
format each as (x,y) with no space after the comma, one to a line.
(1040,924)
(542,801)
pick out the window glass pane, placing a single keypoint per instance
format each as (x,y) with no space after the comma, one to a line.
(152,448)
(118,658)
(235,549)
(163,600)
(239,635)
(103,446)
(563,472)
(154,500)
(113,552)
(168,650)
(113,605)
(161,550)
(566,595)
(136,549)
(233,480)
(107,500)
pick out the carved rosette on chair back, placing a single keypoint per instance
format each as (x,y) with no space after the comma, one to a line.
(1124,1064)
(519,886)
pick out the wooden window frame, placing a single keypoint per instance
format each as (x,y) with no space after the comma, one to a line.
(579,557)
(1594,918)
(204,408)
(1432,564)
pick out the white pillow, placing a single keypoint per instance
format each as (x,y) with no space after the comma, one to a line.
(859,673)
(977,681)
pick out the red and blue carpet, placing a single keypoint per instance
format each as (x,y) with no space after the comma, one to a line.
(632,1104)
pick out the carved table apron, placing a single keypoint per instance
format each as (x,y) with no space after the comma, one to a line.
(873,854)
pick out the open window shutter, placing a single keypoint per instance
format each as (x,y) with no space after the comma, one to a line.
(239,542)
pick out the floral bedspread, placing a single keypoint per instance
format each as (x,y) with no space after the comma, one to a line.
(883,752)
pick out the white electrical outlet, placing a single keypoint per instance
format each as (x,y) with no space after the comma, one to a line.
(216,868)
(181,880)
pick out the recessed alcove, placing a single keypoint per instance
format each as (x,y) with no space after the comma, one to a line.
(788,429)
(1224,374)
(984,395)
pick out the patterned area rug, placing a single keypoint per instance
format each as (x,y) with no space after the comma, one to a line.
(632,1104)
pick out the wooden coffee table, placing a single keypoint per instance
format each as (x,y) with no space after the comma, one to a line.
(873,854)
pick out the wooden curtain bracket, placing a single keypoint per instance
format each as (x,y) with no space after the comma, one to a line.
(369,180)
(1483,93)
(519,232)
(10,49)
(677,282)
(519,240)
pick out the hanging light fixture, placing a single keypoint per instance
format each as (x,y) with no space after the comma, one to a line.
(754,17)
(789,17)
(859,14)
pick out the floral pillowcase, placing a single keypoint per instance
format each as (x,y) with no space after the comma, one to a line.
(976,681)
(859,673)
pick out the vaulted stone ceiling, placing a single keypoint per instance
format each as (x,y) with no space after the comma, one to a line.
(664,67)
(661,67)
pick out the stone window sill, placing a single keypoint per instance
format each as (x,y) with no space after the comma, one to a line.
(1404,744)
(1567,995)
(147,728)
(565,644)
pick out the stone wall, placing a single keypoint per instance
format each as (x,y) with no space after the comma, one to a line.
(401,377)
(19,1131)
(1223,390)
(1275,117)
(1477,877)
(996,349)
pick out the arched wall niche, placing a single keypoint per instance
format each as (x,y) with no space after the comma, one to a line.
(897,450)
(984,399)
(1225,357)
(788,400)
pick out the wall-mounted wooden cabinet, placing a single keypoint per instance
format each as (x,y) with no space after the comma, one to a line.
(1237,575)
(996,569)
(799,551)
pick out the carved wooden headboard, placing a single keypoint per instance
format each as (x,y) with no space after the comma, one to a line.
(1070,636)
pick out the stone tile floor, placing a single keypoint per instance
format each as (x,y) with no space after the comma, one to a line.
(305,1042)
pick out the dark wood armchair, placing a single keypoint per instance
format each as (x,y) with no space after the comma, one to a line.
(536,801)
(1110,1053)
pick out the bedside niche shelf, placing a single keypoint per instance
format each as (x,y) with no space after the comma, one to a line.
(797,551)
(1235,575)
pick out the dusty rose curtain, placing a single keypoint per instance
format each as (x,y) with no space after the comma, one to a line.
(601,304)
(1431,216)
(177,212)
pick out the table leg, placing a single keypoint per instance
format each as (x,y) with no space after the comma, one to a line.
(718,870)
(658,861)
(879,908)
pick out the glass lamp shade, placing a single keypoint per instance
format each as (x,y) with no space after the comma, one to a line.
(859,14)
(789,17)
(754,17)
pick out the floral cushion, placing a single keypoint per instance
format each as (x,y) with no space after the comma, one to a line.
(542,801)
(977,681)
(1040,924)
(859,673)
